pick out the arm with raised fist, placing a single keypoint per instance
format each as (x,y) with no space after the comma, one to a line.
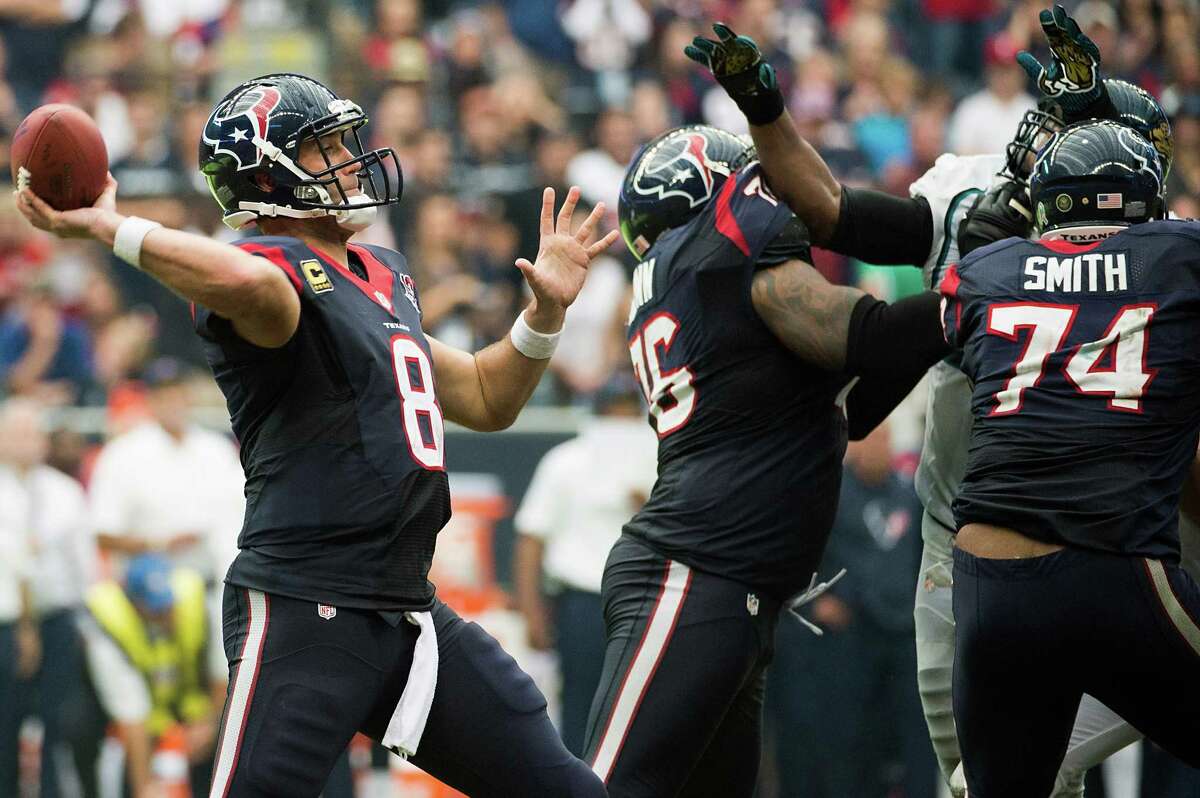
(1072,78)
(869,225)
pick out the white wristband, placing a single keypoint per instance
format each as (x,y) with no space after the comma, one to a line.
(127,242)
(531,343)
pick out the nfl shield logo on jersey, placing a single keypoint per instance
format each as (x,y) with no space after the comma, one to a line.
(752,604)
(325,611)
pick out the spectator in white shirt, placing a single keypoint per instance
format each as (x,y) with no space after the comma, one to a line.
(582,493)
(43,518)
(20,643)
(984,121)
(601,169)
(169,486)
(593,336)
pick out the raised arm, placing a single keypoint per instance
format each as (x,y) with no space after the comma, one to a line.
(866,224)
(256,297)
(486,390)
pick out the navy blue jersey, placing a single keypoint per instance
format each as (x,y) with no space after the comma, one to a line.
(340,432)
(1086,378)
(750,437)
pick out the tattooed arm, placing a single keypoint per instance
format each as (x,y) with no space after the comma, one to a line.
(810,315)
(842,329)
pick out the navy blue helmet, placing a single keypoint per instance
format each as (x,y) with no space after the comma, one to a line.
(673,177)
(1137,108)
(1134,107)
(1097,172)
(257,129)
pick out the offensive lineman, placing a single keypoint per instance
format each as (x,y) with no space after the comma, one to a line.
(337,397)
(1086,409)
(961,202)
(745,354)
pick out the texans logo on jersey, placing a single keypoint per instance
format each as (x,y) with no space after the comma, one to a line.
(232,128)
(687,173)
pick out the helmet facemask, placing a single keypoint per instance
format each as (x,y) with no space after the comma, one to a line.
(380,178)
(1037,128)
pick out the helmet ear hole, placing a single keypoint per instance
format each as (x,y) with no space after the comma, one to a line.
(264,182)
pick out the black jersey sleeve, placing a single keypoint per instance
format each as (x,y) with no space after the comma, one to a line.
(792,243)
(964,289)
(883,229)
(752,219)
(954,299)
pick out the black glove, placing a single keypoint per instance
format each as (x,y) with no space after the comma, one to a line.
(1073,79)
(737,64)
(1002,212)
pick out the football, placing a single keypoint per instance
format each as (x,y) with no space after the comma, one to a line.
(59,153)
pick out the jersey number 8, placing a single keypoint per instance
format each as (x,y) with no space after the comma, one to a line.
(422,413)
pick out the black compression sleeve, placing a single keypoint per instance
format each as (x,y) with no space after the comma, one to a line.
(894,339)
(889,347)
(882,229)
(872,399)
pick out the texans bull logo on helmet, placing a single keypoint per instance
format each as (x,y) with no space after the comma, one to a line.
(687,172)
(232,128)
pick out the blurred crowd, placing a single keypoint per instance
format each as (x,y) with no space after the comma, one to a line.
(484,103)
(487,102)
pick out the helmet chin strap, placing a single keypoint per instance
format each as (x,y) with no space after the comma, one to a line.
(356,219)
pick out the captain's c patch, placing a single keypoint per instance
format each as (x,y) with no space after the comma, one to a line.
(318,281)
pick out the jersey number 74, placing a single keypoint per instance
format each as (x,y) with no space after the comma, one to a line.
(1114,365)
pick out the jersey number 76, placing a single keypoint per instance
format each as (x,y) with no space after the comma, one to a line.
(1113,365)
(669,393)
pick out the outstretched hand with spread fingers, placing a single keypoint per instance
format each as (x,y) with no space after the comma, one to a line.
(1073,76)
(556,275)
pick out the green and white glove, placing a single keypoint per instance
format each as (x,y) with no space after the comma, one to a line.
(737,64)
(1073,77)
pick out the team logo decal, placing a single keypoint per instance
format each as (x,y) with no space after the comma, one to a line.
(317,279)
(410,290)
(1142,151)
(232,128)
(1160,137)
(682,170)
(325,611)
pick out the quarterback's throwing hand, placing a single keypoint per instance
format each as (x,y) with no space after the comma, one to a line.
(556,275)
(1073,76)
(78,223)
(737,64)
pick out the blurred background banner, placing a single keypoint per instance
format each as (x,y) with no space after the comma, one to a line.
(116,440)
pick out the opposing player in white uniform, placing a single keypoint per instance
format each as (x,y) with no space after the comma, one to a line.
(968,200)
